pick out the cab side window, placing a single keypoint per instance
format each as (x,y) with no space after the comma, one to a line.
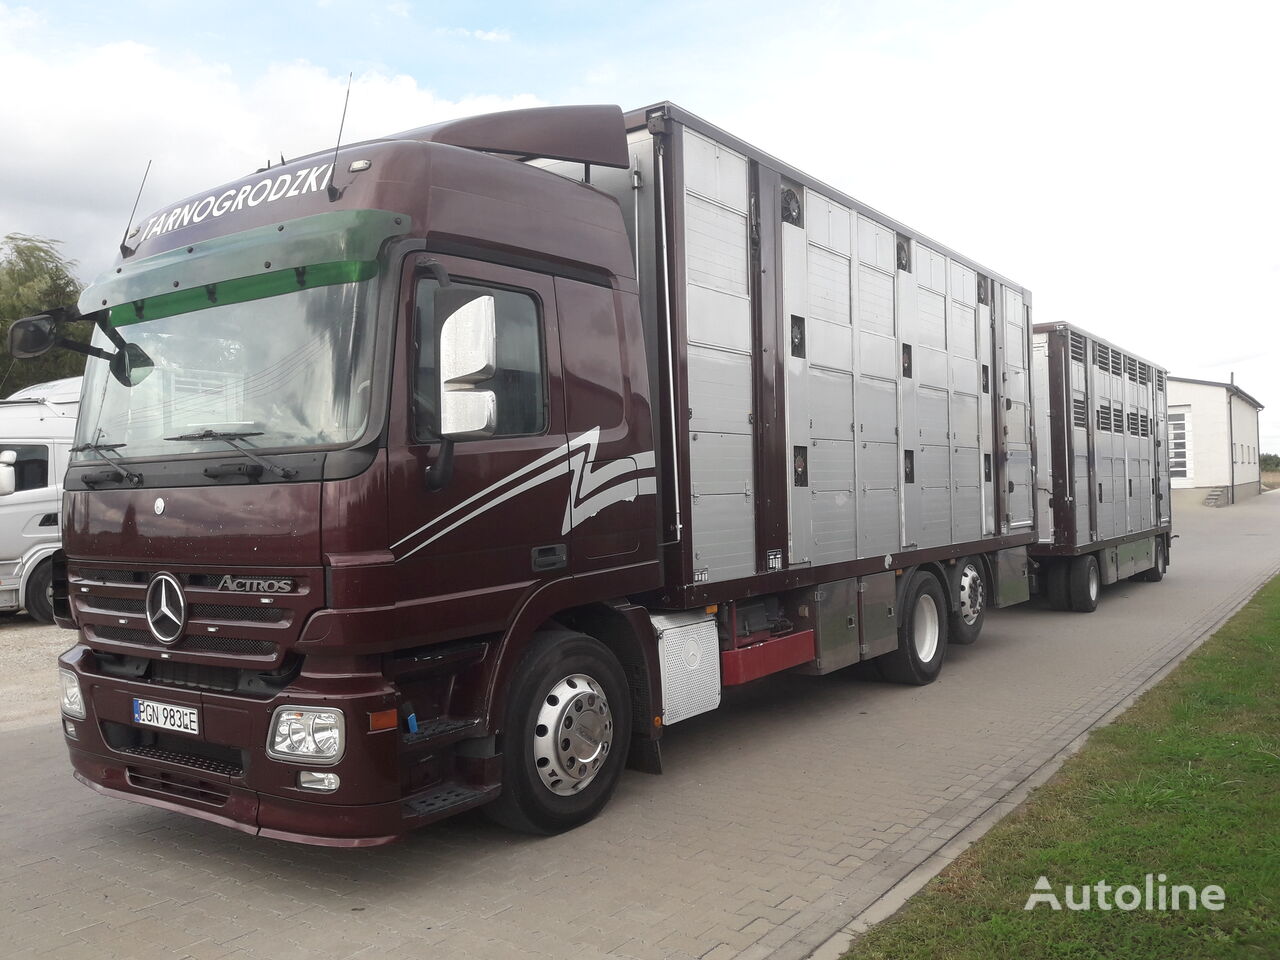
(31,469)
(519,379)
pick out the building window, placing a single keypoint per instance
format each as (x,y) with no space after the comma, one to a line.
(1179,430)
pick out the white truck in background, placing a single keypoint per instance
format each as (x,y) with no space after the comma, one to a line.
(37,429)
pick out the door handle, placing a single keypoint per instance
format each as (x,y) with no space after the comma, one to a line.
(551,557)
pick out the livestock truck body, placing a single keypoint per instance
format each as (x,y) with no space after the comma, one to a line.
(1103,512)
(449,469)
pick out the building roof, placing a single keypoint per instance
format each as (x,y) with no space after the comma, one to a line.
(1230,387)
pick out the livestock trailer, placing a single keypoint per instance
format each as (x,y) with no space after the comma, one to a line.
(1103,512)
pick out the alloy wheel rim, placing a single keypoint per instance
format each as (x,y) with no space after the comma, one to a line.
(573,734)
(972,595)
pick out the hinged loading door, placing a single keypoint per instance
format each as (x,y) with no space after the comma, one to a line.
(817,321)
(1017,410)
(719,371)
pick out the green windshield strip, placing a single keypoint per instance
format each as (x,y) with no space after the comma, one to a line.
(242,290)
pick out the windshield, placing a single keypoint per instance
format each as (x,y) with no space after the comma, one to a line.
(293,367)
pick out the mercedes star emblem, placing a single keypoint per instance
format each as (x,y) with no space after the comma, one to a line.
(166,608)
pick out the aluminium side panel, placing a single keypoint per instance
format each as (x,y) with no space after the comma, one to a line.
(1048,406)
(876,383)
(719,367)
(828,230)
(964,357)
(1016,331)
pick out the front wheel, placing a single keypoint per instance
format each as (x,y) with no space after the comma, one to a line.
(967,619)
(922,634)
(568,727)
(39,599)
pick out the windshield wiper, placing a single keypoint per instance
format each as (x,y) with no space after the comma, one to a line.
(233,440)
(118,469)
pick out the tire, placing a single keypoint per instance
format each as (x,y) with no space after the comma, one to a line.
(1055,576)
(1085,583)
(564,678)
(1156,574)
(922,634)
(971,610)
(39,598)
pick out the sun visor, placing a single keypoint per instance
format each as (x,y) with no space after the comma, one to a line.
(336,236)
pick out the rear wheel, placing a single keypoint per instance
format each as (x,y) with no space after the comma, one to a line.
(1085,583)
(1055,576)
(1156,573)
(39,599)
(922,634)
(568,727)
(966,620)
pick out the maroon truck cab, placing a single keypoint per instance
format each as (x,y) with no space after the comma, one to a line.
(316,640)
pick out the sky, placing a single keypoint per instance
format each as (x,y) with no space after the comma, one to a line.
(1119,159)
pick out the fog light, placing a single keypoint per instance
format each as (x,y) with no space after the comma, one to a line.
(318,781)
(70,728)
(72,701)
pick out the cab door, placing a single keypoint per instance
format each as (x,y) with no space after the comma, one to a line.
(466,554)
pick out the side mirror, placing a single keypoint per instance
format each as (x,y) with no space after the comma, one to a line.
(8,479)
(32,337)
(466,348)
(131,365)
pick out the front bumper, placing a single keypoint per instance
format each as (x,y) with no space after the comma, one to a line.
(224,775)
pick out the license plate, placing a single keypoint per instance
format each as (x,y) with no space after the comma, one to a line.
(166,716)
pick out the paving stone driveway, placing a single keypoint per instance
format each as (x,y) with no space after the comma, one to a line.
(780,817)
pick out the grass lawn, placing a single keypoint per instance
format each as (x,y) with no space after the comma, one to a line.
(1185,783)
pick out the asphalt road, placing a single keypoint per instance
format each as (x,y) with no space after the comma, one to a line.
(781,815)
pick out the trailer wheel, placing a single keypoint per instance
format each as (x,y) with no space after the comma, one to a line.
(39,598)
(967,619)
(1086,583)
(1156,574)
(1059,590)
(922,634)
(568,727)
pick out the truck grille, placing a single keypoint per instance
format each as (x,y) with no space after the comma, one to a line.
(234,646)
(199,611)
(109,603)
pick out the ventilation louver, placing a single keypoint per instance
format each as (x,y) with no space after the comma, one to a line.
(792,210)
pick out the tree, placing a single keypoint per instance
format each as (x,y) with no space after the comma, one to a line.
(34,277)
(1269,462)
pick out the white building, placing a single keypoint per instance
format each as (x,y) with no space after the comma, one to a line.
(1213,441)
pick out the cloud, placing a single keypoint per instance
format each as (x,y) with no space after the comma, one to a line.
(73,159)
(488,36)
(400,9)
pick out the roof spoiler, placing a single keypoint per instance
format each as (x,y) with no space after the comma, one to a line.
(594,134)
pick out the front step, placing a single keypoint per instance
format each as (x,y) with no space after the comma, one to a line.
(440,732)
(444,800)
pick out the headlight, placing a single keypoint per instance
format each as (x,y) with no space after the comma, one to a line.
(307,734)
(72,701)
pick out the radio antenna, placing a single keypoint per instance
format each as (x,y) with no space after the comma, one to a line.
(125,250)
(333,191)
